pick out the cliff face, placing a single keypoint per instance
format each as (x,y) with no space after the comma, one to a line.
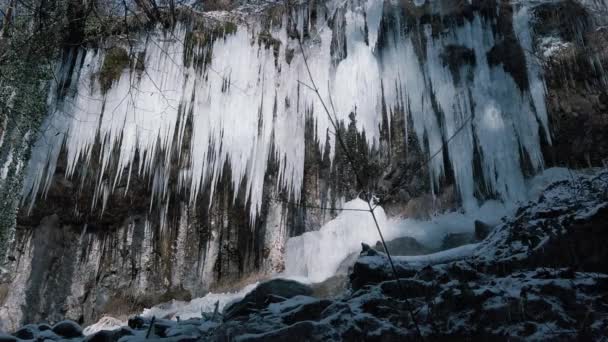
(177,161)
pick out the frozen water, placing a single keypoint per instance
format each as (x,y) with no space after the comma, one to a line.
(315,256)
(248,103)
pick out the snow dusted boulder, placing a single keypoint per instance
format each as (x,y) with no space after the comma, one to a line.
(67,329)
(275,290)
(566,227)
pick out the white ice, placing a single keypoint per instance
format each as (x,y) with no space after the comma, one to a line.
(140,122)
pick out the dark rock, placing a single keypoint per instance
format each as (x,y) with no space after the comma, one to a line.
(481,230)
(266,292)
(7,338)
(376,269)
(67,329)
(101,336)
(307,312)
(109,335)
(43,327)
(404,246)
(407,288)
(124,331)
(27,332)
(367,250)
(136,322)
(300,332)
(456,240)
(161,327)
(49,335)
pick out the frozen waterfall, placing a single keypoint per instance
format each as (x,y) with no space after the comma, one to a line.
(177,125)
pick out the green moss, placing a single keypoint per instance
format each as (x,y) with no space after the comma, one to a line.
(116,60)
(198,43)
(269,42)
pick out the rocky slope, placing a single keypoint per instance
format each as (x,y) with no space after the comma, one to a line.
(540,275)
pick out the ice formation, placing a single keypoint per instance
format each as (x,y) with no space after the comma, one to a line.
(250,102)
(316,256)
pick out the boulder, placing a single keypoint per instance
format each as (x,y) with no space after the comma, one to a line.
(101,336)
(373,267)
(68,329)
(268,292)
(454,240)
(404,246)
(43,327)
(27,332)
(136,322)
(482,230)
(7,338)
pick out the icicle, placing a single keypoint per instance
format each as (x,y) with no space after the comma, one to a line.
(249,102)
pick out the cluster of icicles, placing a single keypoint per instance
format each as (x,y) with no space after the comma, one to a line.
(140,122)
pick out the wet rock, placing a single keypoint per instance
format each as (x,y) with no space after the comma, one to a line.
(49,335)
(372,268)
(68,329)
(27,332)
(307,312)
(136,322)
(7,338)
(456,240)
(44,326)
(481,230)
(162,326)
(301,331)
(404,246)
(265,293)
(101,336)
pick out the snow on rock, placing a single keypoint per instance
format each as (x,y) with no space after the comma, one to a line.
(316,256)
(197,306)
(105,323)
(517,284)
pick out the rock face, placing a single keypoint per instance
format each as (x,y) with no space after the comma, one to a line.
(575,56)
(89,247)
(517,284)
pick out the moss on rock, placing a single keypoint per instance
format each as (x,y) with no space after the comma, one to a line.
(116,60)
(198,43)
